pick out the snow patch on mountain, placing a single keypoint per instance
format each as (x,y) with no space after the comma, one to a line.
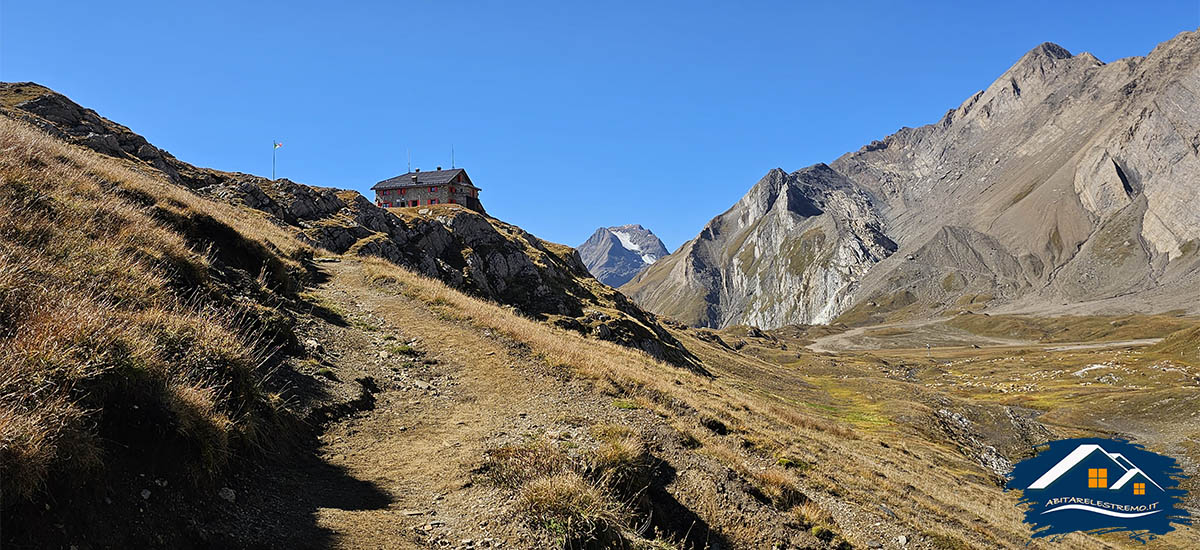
(627,242)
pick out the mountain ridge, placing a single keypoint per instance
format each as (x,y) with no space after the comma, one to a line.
(1065,181)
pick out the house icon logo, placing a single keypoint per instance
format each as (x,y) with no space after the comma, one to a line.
(1101,486)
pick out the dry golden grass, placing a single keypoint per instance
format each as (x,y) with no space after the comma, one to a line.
(624,371)
(576,501)
(781,486)
(810,514)
(514,466)
(621,460)
(571,509)
(108,303)
(585,357)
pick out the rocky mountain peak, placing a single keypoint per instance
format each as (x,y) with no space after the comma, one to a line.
(1045,62)
(615,254)
(1050,50)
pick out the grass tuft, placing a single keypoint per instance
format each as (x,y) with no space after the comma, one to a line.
(626,404)
(571,509)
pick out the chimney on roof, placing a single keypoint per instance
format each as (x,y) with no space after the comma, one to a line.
(439,168)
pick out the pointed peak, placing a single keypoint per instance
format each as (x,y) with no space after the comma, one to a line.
(1040,63)
(773,178)
(1050,50)
(1090,58)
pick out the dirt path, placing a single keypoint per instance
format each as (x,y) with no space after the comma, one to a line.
(398,470)
(428,431)
(1103,345)
(916,334)
(398,474)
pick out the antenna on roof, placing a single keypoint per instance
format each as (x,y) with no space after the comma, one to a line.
(451,156)
(409,153)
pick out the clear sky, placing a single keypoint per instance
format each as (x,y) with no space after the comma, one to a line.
(570,115)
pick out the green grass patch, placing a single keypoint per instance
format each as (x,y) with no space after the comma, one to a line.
(1090,328)
(792,463)
(402,349)
(1021,195)
(366,326)
(324,308)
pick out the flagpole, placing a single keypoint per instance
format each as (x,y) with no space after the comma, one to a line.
(273,148)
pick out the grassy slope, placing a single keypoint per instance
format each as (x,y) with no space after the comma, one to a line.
(471,250)
(1183,344)
(136,319)
(1148,393)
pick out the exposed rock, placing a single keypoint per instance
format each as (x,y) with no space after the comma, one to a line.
(1067,181)
(64,119)
(1090,194)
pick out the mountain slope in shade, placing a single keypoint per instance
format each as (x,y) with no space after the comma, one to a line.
(615,254)
(1067,185)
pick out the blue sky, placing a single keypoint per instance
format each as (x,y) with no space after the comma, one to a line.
(570,115)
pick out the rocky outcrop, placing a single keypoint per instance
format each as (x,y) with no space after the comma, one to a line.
(62,118)
(791,251)
(615,254)
(486,257)
(1067,181)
